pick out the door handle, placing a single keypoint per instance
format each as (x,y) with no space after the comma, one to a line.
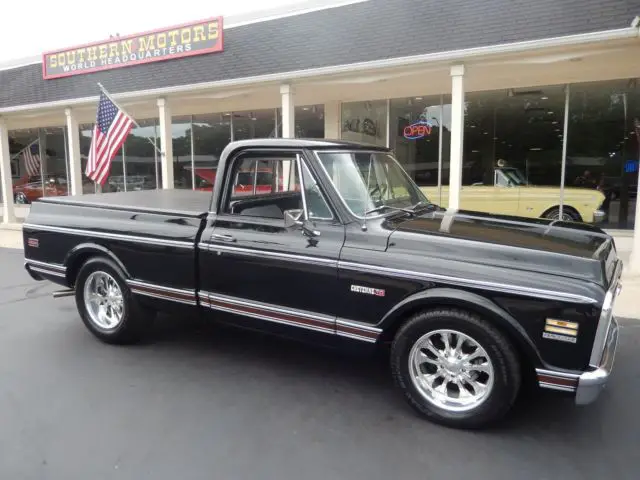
(223,237)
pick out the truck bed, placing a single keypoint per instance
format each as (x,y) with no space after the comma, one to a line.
(184,203)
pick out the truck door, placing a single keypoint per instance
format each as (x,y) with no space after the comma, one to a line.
(270,252)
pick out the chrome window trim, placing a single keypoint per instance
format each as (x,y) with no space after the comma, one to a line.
(112,236)
(605,319)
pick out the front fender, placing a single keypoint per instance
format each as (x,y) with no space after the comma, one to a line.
(467,300)
(80,253)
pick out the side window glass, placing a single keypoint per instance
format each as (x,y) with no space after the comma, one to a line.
(263,187)
(267,187)
(317,206)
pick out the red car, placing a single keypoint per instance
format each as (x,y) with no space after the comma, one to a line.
(243,183)
(28,189)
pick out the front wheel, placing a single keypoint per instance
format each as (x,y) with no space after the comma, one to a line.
(568,215)
(106,305)
(455,368)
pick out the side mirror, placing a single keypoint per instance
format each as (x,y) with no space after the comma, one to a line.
(293,218)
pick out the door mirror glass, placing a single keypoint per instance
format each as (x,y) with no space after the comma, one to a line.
(293,218)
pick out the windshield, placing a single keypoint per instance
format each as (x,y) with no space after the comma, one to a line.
(370,180)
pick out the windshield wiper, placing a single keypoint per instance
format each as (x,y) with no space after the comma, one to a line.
(382,207)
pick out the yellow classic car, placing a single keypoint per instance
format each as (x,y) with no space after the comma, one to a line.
(511,194)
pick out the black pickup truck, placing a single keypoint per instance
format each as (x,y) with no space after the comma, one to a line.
(341,248)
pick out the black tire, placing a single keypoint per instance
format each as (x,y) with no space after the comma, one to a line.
(136,320)
(504,359)
(569,214)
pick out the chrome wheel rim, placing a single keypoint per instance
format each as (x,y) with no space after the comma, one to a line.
(556,216)
(21,199)
(103,300)
(451,370)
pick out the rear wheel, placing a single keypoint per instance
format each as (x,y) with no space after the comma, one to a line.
(455,368)
(106,305)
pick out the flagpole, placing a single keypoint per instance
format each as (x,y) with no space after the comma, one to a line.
(129,116)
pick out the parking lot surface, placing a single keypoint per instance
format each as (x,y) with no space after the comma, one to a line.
(197,401)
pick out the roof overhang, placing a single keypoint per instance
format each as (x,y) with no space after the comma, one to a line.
(417,62)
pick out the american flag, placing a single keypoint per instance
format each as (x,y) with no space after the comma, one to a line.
(31,157)
(109,133)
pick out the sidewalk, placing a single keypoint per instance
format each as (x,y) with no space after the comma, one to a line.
(627,304)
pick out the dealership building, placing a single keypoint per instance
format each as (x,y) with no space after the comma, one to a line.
(506,106)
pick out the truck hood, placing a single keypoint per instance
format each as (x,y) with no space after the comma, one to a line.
(566,249)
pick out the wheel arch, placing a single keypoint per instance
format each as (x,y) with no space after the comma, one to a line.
(83,252)
(473,302)
(564,207)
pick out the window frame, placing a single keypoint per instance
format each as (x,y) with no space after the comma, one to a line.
(297,158)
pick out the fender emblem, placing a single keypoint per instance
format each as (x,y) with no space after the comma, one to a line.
(378,292)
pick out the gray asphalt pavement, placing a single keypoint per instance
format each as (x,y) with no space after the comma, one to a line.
(201,402)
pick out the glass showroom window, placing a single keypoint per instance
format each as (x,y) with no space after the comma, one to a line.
(141,167)
(420,136)
(365,122)
(602,147)
(136,166)
(39,163)
(513,142)
(254,124)
(211,134)
(309,121)
(181,129)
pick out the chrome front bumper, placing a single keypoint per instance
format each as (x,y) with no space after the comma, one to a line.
(591,383)
(588,384)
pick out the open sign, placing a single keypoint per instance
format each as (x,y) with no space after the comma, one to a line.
(417,130)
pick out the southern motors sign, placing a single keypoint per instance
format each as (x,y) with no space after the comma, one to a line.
(174,42)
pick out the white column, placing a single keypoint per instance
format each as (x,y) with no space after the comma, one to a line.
(332,115)
(288,127)
(73,150)
(288,112)
(8,210)
(634,262)
(166,143)
(457,135)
